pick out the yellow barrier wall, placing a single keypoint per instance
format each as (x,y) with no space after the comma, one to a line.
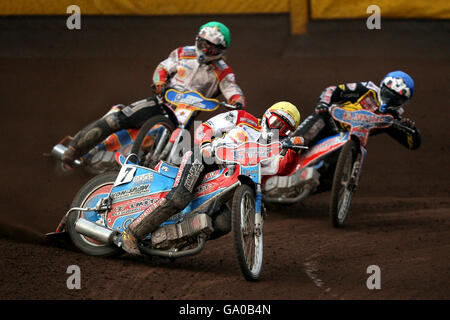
(351,9)
(143,7)
(300,10)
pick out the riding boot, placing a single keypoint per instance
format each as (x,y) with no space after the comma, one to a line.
(175,201)
(89,137)
(128,243)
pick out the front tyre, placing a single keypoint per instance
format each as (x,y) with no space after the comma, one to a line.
(89,195)
(343,186)
(247,228)
(151,140)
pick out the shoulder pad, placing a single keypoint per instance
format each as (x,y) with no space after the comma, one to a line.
(221,69)
(187,52)
(371,85)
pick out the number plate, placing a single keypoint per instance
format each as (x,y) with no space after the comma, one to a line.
(126,175)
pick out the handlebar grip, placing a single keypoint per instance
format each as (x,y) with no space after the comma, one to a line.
(230,106)
(289,145)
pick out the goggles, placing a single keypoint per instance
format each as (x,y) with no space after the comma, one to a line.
(392,98)
(208,48)
(274,121)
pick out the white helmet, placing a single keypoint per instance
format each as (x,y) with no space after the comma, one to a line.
(211,42)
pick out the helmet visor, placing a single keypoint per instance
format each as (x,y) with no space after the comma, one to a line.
(208,48)
(392,98)
(276,122)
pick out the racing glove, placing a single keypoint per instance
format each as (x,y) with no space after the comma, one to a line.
(291,143)
(238,101)
(158,87)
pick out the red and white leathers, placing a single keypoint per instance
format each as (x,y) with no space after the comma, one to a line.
(182,71)
(236,127)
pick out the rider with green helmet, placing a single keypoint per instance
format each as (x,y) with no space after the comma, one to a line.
(199,67)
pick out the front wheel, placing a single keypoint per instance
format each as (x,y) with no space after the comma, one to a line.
(247,227)
(152,139)
(344,186)
(89,195)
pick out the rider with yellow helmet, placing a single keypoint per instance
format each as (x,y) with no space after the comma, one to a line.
(233,127)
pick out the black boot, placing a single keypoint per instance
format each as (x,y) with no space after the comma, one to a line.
(89,137)
(175,201)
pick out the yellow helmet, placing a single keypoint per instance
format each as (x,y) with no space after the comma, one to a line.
(283,116)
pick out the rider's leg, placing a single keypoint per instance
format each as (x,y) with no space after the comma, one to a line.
(90,136)
(131,116)
(313,128)
(176,200)
(221,223)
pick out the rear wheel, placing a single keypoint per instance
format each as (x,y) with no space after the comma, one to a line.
(247,230)
(343,186)
(89,196)
(151,140)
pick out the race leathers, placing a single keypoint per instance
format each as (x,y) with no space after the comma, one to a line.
(182,71)
(234,127)
(355,96)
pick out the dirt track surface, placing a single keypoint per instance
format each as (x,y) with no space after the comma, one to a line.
(54,81)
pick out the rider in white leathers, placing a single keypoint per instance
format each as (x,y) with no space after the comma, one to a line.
(200,67)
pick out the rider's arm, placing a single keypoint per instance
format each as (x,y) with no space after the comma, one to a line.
(166,69)
(227,84)
(350,92)
(280,165)
(215,127)
(288,162)
(411,140)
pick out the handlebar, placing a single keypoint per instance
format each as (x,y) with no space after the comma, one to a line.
(288,144)
(226,105)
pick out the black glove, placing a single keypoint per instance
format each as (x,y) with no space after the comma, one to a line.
(239,106)
(322,108)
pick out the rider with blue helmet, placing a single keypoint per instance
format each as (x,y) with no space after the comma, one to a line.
(396,88)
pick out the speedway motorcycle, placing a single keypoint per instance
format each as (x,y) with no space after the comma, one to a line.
(108,203)
(335,161)
(161,137)
(158,141)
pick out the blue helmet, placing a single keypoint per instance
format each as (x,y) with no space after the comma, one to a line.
(396,88)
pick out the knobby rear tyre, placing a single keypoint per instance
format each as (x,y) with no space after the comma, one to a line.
(342,189)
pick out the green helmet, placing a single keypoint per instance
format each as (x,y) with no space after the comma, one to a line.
(215,32)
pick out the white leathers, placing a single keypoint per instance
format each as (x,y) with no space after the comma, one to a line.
(182,71)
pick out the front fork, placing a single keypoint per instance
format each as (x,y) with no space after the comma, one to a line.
(357,167)
(259,212)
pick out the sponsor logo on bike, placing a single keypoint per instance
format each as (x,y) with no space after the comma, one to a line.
(130,192)
(143,179)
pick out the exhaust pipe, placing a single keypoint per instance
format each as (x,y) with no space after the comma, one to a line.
(59,150)
(94,231)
